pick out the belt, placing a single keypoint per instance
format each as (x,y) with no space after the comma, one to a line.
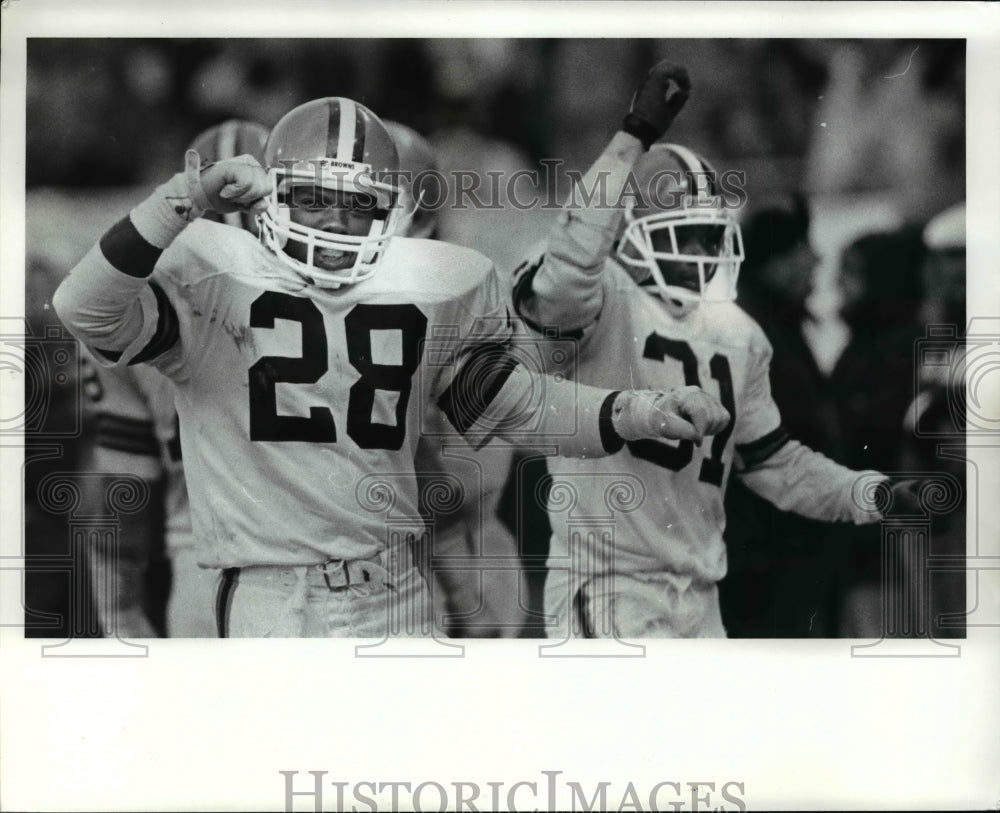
(334,574)
(339,573)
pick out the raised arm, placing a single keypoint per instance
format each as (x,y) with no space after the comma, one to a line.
(107,301)
(561,285)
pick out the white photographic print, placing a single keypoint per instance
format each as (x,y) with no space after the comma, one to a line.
(616,384)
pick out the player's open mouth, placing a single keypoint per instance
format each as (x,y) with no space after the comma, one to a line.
(331,259)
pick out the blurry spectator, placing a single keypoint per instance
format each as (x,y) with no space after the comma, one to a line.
(872,382)
(937,415)
(944,271)
(872,385)
(775,281)
(784,570)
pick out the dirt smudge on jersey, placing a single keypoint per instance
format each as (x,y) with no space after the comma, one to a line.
(187,293)
(242,337)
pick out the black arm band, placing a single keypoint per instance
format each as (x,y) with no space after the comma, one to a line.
(610,439)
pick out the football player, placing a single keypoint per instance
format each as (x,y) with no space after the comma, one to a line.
(137,432)
(304,364)
(653,309)
(468,602)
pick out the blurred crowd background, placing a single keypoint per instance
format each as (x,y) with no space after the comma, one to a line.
(850,148)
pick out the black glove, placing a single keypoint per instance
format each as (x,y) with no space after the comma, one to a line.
(933,497)
(656,102)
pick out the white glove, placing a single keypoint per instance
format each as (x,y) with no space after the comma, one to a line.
(688,413)
(234,185)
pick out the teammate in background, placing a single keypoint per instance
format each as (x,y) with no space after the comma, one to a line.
(295,361)
(655,310)
(468,602)
(138,432)
(230,139)
(418,164)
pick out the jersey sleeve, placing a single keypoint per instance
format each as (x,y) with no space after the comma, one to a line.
(492,385)
(758,432)
(781,470)
(124,437)
(110,300)
(796,478)
(559,285)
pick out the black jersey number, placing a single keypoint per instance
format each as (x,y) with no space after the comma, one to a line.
(658,452)
(265,422)
(711,467)
(397,378)
(319,427)
(676,457)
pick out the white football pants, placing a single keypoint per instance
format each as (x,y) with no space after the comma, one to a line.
(378,598)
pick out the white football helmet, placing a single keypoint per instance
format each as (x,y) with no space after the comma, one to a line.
(418,162)
(679,235)
(339,144)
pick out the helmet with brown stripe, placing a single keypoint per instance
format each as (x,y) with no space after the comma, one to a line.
(328,156)
(228,140)
(680,239)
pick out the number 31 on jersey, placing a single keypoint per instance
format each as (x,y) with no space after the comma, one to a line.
(675,458)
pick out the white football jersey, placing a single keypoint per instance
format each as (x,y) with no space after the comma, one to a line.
(300,408)
(137,432)
(667,512)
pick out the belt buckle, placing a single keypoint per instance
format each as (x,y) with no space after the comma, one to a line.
(341,566)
